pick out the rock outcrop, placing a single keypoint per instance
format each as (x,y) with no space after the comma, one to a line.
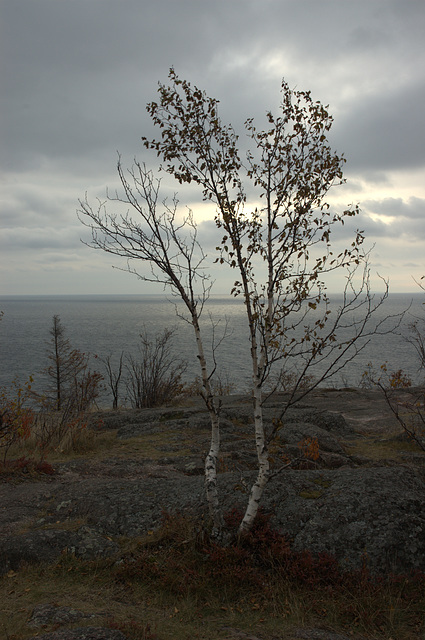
(360,513)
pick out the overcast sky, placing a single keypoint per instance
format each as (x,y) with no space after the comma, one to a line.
(76,76)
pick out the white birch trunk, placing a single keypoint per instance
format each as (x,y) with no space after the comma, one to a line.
(211,489)
(260,440)
(258,487)
(258,367)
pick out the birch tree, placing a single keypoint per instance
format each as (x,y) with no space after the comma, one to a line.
(276,228)
(168,245)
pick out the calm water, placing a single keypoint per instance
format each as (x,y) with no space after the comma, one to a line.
(107,325)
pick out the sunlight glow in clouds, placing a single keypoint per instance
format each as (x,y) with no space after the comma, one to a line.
(68,105)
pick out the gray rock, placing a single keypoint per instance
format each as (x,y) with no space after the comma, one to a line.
(47,545)
(134,429)
(32,547)
(194,421)
(372,514)
(241,413)
(124,417)
(202,422)
(328,460)
(44,614)
(83,633)
(294,432)
(327,420)
(90,544)
(321,634)
(196,467)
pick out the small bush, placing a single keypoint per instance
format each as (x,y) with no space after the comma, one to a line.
(154,377)
(25,466)
(407,403)
(16,416)
(220,386)
(63,431)
(261,572)
(133,630)
(194,562)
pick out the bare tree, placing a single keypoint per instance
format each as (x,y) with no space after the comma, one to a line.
(168,244)
(406,401)
(155,375)
(71,390)
(66,364)
(113,377)
(277,227)
(416,336)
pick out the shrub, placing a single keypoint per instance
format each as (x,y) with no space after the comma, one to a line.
(133,630)
(406,402)
(220,386)
(16,417)
(155,376)
(24,465)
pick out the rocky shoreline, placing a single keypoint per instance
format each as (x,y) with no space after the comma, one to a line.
(357,508)
(362,501)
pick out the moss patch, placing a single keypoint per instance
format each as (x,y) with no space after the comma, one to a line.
(311,494)
(323,482)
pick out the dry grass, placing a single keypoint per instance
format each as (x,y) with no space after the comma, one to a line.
(101,445)
(380,449)
(176,583)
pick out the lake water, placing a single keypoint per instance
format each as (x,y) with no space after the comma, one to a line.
(107,325)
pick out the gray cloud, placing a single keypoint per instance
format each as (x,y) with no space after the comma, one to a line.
(76,77)
(39,238)
(396,207)
(385,132)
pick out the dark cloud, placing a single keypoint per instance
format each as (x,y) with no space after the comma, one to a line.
(39,238)
(385,132)
(79,74)
(76,77)
(396,207)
